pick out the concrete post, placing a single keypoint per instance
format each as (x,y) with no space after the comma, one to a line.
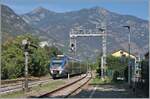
(26,71)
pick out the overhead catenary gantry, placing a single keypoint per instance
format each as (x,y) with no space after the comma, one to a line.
(79,31)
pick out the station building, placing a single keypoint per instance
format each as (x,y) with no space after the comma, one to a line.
(120,53)
(135,63)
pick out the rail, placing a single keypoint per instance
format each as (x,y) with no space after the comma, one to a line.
(20,86)
(67,86)
(17,80)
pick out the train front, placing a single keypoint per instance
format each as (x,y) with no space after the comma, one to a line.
(57,66)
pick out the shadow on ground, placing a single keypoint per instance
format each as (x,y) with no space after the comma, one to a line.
(105,91)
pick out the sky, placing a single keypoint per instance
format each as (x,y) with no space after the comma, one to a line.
(138,8)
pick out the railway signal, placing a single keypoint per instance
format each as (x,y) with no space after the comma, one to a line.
(26,43)
(72,47)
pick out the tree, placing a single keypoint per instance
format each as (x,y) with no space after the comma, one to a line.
(13,58)
(39,62)
(98,64)
(53,51)
(114,64)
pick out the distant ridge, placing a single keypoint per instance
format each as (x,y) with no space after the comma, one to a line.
(48,24)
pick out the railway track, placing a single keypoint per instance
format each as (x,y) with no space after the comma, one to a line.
(68,89)
(20,86)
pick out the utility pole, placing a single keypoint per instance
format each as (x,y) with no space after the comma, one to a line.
(102,28)
(87,65)
(26,71)
(104,52)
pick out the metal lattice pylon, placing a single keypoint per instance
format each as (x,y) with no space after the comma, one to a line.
(79,32)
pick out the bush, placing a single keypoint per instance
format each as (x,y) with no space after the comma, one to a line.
(97,80)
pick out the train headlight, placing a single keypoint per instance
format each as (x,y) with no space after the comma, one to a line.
(60,71)
(52,71)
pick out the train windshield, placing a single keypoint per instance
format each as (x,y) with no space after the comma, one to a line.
(56,63)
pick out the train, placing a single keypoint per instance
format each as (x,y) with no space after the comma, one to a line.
(62,65)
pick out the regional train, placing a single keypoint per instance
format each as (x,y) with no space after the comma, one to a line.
(61,66)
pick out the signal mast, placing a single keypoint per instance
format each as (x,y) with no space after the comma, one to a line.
(80,32)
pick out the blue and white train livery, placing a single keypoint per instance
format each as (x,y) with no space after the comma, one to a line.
(60,66)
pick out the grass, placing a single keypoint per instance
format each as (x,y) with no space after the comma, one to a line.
(98,81)
(34,90)
(48,87)
(13,95)
(107,80)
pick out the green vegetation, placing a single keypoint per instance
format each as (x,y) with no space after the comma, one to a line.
(13,95)
(48,87)
(13,58)
(145,76)
(98,81)
(145,70)
(35,90)
(115,67)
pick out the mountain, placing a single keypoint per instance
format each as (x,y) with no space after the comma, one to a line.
(13,24)
(58,25)
(38,17)
(49,24)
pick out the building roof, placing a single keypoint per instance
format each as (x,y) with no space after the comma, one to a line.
(121,52)
(43,44)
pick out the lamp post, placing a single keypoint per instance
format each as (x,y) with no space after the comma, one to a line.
(129,62)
